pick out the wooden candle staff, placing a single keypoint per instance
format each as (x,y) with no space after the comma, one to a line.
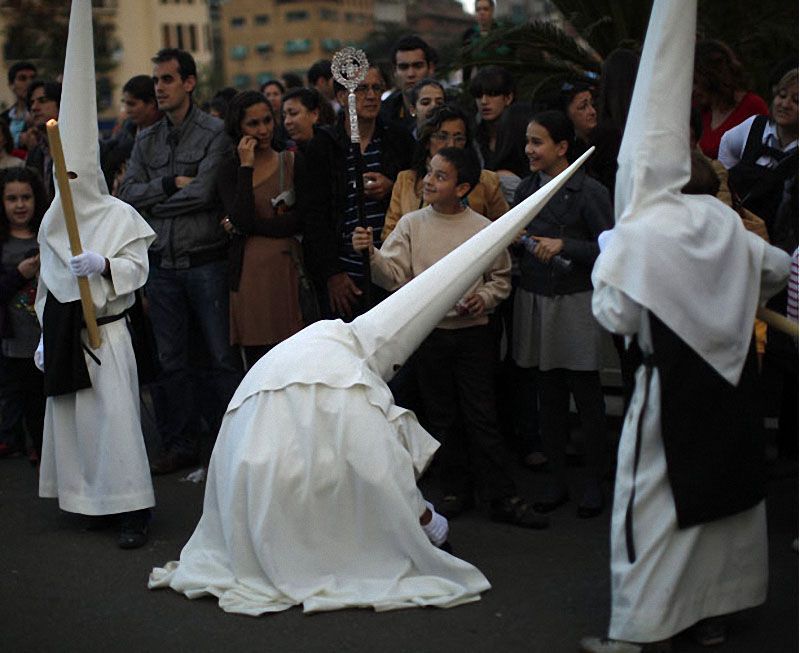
(777,321)
(60,167)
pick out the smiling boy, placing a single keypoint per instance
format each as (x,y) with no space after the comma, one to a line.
(455,362)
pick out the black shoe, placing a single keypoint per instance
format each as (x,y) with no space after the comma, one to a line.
(518,512)
(172,461)
(133,529)
(710,632)
(452,505)
(552,499)
(536,461)
(592,502)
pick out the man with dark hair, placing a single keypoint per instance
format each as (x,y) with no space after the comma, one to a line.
(331,202)
(186,65)
(170,181)
(44,100)
(413,59)
(141,108)
(20,76)
(320,77)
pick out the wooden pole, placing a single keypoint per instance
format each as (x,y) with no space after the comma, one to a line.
(777,321)
(62,178)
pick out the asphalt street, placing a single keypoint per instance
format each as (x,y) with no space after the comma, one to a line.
(65,588)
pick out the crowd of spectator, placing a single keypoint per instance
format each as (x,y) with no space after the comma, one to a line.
(255,196)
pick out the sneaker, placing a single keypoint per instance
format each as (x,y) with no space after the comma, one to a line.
(133,530)
(172,461)
(606,645)
(517,512)
(709,632)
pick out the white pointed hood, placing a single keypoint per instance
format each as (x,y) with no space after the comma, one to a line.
(104,222)
(392,331)
(686,258)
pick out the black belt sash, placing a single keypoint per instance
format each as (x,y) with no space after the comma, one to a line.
(647,361)
(65,369)
(712,434)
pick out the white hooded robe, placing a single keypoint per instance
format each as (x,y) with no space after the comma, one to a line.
(311,493)
(93,453)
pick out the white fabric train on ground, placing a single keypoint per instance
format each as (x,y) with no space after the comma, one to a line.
(311,496)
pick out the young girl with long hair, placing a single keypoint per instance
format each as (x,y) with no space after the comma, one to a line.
(22,397)
(555,336)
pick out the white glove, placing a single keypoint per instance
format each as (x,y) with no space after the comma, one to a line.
(605,238)
(87,263)
(437,528)
(38,355)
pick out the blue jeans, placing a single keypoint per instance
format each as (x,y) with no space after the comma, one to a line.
(189,307)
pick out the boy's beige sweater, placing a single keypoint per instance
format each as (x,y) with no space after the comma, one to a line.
(423,237)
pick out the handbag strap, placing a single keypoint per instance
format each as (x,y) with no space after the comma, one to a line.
(280,171)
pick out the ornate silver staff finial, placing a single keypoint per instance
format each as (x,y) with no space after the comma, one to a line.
(349,67)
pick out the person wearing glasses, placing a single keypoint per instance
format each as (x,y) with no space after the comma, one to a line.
(330,205)
(413,60)
(448,126)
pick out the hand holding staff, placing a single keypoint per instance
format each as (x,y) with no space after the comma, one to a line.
(60,167)
(349,68)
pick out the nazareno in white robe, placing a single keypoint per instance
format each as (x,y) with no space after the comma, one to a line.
(680,576)
(93,455)
(311,493)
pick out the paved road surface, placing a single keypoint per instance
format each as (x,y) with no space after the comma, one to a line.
(64,588)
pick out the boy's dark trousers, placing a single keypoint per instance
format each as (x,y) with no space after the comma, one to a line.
(455,369)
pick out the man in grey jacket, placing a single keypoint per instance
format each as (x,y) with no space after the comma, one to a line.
(170,181)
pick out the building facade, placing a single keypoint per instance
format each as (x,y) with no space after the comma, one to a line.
(139,29)
(264,38)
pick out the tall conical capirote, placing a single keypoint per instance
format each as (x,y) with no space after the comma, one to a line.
(77,116)
(654,156)
(96,211)
(685,258)
(390,332)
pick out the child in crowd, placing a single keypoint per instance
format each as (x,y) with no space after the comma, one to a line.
(21,384)
(456,360)
(556,341)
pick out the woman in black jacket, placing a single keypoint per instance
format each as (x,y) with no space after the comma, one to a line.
(554,330)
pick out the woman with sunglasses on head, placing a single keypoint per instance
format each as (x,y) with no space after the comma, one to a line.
(448,126)
(501,126)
